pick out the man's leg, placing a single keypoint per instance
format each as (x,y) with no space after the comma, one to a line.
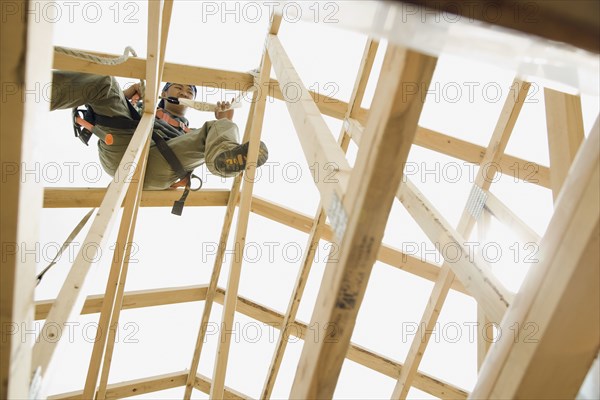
(104,95)
(188,148)
(224,155)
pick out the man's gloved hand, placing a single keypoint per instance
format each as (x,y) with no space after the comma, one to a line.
(223,110)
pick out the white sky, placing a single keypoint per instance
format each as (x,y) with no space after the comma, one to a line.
(172,251)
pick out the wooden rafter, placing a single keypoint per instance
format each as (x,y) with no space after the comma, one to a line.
(133,387)
(568,274)
(25,62)
(507,217)
(318,226)
(70,298)
(221,358)
(214,278)
(567,278)
(390,132)
(92,197)
(469,152)
(268,316)
(502,131)
(115,286)
(564,121)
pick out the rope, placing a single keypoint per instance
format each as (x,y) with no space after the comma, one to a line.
(66,244)
(97,59)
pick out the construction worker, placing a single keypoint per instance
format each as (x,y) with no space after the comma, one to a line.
(216,142)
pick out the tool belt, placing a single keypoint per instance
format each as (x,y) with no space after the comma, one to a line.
(85,123)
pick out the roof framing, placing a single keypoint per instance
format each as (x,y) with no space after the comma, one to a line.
(357,204)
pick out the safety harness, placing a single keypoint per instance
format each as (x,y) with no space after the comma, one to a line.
(85,123)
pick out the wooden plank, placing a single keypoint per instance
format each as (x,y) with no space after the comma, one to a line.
(558,299)
(118,303)
(153,68)
(470,267)
(485,331)
(505,215)
(116,278)
(573,22)
(69,298)
(318,225)
(200,76)
(202,383)
(134,299)
(498,141)
(564,121)
(132,388)
(214,278)
(317,142)
(389,134)
(24,67)
(109,315)
(356,353)
(515,167)
(136,68)
(221,358)
(92,197)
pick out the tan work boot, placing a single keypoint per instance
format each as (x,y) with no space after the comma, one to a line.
(234,160)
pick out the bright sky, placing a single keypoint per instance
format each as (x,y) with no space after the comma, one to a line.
(177,251)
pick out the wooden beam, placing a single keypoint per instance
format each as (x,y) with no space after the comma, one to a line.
(518,168)
(87,197)
(485,329)
(118,303)
(134,299)
(24,66)
(572,22)
(214,278)
(318,225)
(153,68)
(235,269)
(475,274)
(92,197)
(116,280)
(376,176)
(133,387)
(203,384)
(505,215)
(316,139)
(69,297)
(355,352)
(136,68)
(168,296)
(564,121)
(498,141)
(557,308)
(200,76)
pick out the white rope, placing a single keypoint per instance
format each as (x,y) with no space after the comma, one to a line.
(97,59)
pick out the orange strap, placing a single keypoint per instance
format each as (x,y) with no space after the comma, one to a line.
(171,121)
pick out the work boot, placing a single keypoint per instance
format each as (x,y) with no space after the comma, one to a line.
(234,160)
